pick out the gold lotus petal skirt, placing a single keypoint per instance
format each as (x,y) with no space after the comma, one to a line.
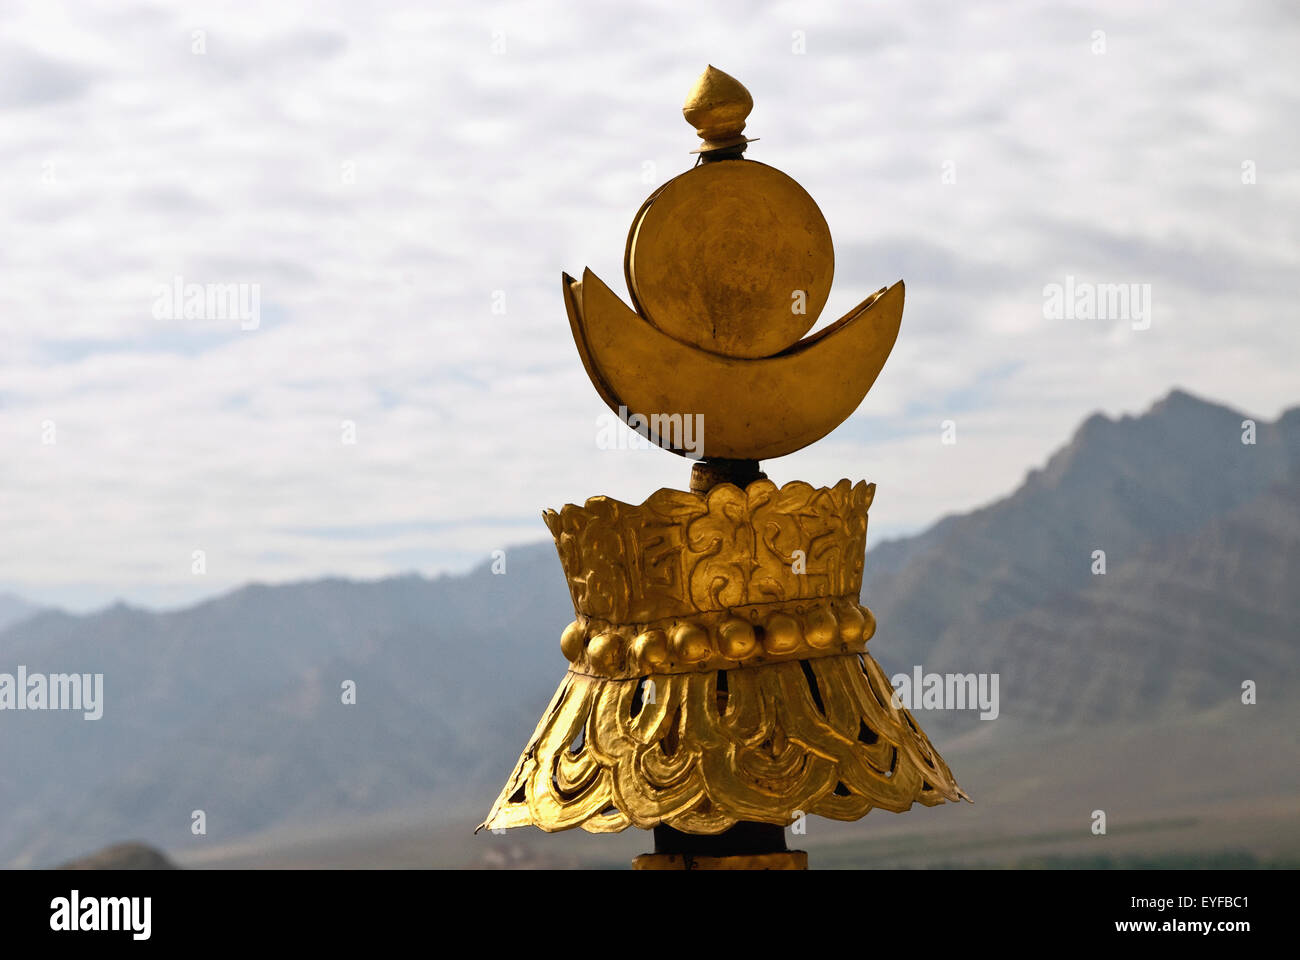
(820,736)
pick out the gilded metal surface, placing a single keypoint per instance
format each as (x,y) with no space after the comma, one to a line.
(718,671)
(740,638)
(711,267)
(728,265)
(717,107)
(758,587)
(730,579)
(751,409)
(680,553)
(820,736)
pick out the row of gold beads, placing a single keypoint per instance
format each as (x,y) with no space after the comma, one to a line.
(779,634)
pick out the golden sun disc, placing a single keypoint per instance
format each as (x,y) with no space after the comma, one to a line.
(733,257)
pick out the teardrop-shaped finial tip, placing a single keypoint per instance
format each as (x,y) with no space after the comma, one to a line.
(717,107)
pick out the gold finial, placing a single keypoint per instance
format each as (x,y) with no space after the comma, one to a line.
(729,265)
(717,107)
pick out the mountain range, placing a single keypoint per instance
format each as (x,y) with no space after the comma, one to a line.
(234,706)
(13,609)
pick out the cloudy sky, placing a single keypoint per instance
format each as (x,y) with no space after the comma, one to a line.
(383,174)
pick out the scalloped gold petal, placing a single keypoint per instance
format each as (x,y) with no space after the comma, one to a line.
(822,736)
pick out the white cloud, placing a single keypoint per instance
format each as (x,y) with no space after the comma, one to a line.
(379,173)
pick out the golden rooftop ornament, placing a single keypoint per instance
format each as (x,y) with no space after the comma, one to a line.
(719,684)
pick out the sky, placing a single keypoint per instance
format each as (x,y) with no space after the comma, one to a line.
(394,189)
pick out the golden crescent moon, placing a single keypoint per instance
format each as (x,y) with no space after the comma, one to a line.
(752,409)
